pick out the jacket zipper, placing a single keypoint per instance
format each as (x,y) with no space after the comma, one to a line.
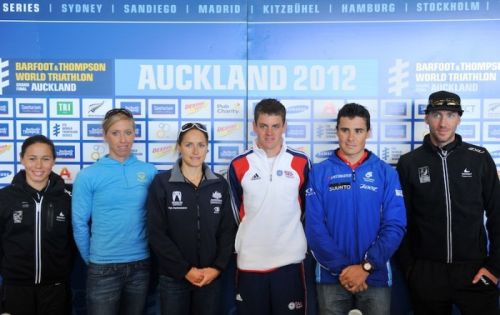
(354,196)
(38,241)
(446,182)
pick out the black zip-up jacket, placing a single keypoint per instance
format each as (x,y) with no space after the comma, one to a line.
(189,226)
(447,192)
(36,245)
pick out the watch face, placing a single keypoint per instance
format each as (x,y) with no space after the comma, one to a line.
(367,266)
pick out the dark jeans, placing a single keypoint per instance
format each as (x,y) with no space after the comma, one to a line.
(179,297)
(335,300)
(52,299)
(117,288)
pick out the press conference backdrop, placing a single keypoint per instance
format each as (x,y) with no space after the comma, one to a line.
(64,64)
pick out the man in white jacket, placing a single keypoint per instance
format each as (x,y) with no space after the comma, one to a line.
(267,185)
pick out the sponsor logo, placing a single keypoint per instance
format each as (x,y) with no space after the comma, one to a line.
(61,217)
(65,151)
(216,198)
(296,131)
(494,108)
(466,173)
(17,216)
(216,210)
(133,107)
(310,192)
(31,108)
(421,108)
(176,198)
(395,131)
(494,131)
(94,130)
(395,108)
(296,109)
(340,176)
(224,131)
(324,154)
(329,109)
(4,174)
(339,186)
(5,147)
(4,130)
(424,174)
(65,173)
(138,130)
(494,154)
(141,177)
(66,130)
(162,151)
(163,109)
(227,152)
(228,108)
(64,108)
(4,75)
(193,108)
(95,106)
(398,192)
(478,150)
(467,131)
(56,130)
(4,107)
(289,174)
(369,187)
(369,177)
(28,130)
(255,177)
(279,172)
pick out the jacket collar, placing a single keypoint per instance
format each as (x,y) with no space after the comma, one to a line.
(177,176)
(449,147)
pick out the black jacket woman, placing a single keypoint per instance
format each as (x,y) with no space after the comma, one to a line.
(191,228)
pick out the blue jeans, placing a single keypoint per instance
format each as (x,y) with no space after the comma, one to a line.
(179,297)
(335,300)
(117,288)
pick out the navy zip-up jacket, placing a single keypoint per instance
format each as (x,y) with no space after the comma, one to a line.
(189,226)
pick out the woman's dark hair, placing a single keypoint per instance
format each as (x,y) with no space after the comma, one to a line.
(38,139)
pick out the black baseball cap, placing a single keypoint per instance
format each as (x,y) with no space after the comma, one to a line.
(443,100)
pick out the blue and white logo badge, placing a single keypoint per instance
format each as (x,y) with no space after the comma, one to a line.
(4,130)
(4,75)
(134,107)
(163,109)
(4,107)
(296,131)
(65,151)
(30,108)
(369,177)
(4,174)
(94,130)
(31,129)
(227,152)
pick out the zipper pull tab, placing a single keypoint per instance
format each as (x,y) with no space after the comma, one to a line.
(353,175)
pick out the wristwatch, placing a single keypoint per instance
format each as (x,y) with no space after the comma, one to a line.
(367,266)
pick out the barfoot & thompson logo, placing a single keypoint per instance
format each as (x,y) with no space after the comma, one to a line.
(4,75)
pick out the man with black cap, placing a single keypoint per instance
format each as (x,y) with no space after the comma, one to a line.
(449,185)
